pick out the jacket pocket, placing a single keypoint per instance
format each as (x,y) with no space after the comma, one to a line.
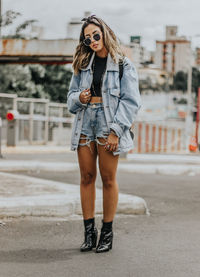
(115,92)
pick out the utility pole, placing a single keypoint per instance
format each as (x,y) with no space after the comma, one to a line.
(197,118)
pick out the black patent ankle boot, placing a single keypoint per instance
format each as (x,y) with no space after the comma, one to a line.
(90,238)
(105,241)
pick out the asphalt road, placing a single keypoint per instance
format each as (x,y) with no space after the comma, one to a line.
(163,244)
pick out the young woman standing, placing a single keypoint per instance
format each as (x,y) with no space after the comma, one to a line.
(105,106)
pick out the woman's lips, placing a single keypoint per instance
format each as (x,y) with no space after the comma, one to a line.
(95,45)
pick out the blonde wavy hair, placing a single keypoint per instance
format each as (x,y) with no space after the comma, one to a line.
(83,53)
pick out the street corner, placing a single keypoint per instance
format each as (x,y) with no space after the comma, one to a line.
(129,204)
(27,196)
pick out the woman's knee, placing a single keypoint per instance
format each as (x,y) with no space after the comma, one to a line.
(87,178)
(108,181)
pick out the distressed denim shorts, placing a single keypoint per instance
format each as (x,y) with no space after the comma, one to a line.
(94,124)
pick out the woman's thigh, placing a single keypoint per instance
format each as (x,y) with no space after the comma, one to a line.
(107,163)
(87,155)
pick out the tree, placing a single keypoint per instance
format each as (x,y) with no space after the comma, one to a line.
(55,81)
(8,19)
(180,81)
(18,79)
(195,80)
(33,80)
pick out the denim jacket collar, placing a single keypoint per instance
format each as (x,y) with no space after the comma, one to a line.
(110,66)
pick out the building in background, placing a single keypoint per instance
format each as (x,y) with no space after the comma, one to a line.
(152,78)
(135,46)
(198,57)
(37,31)
(155,75)
(127,52)
(171,32)
(74,26)
(140,55)
(147,56)
(174,54)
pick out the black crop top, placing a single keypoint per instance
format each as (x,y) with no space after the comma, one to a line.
(98,66)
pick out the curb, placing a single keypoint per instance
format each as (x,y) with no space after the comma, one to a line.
(26,165)
(164,169)
(181,158)
(40,197)
(143,168)
(35,149)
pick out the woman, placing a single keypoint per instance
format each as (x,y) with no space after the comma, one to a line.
(105,106)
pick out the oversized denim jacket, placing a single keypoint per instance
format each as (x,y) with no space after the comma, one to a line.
(121,100)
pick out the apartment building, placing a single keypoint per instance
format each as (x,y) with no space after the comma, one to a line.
(198,57)
(140,54)
(173,54)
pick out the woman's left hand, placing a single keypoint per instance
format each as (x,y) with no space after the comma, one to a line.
(112,143)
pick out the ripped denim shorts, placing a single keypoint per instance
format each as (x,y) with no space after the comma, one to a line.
(94,124)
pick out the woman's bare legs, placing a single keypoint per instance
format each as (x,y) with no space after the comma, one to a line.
(87,163)
(108,167)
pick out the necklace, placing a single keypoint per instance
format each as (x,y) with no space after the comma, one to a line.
(101,81)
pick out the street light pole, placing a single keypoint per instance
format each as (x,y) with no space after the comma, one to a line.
(197,118)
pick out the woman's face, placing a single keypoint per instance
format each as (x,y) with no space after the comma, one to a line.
(89,32)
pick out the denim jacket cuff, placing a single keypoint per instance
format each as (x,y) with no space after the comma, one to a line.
(118,130)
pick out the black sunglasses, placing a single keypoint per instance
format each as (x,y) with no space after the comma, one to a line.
(88,41)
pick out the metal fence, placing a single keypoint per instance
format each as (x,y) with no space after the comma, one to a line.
(39,120)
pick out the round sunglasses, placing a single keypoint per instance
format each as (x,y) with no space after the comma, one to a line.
(87,41)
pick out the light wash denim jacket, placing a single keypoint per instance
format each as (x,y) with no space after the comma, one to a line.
(121,100)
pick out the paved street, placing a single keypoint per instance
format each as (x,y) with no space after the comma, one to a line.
(165,243)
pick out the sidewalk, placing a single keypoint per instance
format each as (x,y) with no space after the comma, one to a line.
(159,157)
(146,167)
(28,149)
(22,195)
(27,196)
(171,158)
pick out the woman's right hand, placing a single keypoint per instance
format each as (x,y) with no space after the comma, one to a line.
(85,96)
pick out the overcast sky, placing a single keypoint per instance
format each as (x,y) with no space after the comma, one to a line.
(126,17)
